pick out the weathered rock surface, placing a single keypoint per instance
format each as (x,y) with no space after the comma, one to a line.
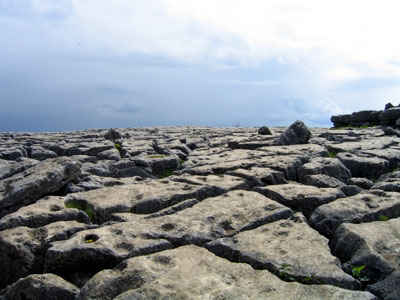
(40,286)
(374,245)
(23,248)
(288,248)
(231,190)
(44,178)
(301,197)
(191,272)
(364,207)
(297,133)
(41,213)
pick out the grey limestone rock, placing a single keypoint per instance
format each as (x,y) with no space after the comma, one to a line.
(46,177)
(326,166)
(10,168)
(297,133)
(192,272)
(41,213)
(112,135)
(374,245)
(363,207)
(151,196)
(366,167)
(387,289)
(259,176)
(40,153)
(214,217)
(39,287)
(23,248)
(288,248)
(301,197)
(93,250)
(389,116)
(264,130)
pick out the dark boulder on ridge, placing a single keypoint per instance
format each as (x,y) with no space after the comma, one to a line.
(297,133)
(387,117)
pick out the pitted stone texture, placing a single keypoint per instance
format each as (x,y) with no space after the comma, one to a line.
(93,250)
(326,166)
(46,177)
(301,197)
(375,245)
(212,218)
(151,196)
(39,287)
(41,213)
(363,207)
(191,272)
(288,248)
(367,167)
(23,248)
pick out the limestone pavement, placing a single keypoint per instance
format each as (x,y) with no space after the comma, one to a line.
(200,213)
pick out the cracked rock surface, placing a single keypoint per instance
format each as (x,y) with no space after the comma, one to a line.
(200,213)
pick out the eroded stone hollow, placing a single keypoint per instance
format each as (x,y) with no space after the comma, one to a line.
(200,213)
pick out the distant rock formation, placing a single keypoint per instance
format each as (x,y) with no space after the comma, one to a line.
(388,117)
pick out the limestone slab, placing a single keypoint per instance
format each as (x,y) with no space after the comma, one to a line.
(191,272)
(288,248)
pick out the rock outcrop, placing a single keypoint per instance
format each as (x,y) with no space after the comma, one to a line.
(202,213)
(388,117)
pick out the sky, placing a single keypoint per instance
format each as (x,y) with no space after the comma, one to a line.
(76,64)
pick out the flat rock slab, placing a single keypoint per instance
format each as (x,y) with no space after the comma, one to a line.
(259,176)
(39,287)
(23,248)
(150,196)
(45,211)
(10,168)
(325,166)
(375,245)
(361,166)
(307,151)
(90,251)
(192,272)
(288,248)
(363,207)
(305,198)
(45,177)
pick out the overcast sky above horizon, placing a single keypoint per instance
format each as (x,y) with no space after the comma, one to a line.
(76,64)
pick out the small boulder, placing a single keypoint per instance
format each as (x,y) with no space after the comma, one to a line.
(112,135)
(297,133)
(264,131)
